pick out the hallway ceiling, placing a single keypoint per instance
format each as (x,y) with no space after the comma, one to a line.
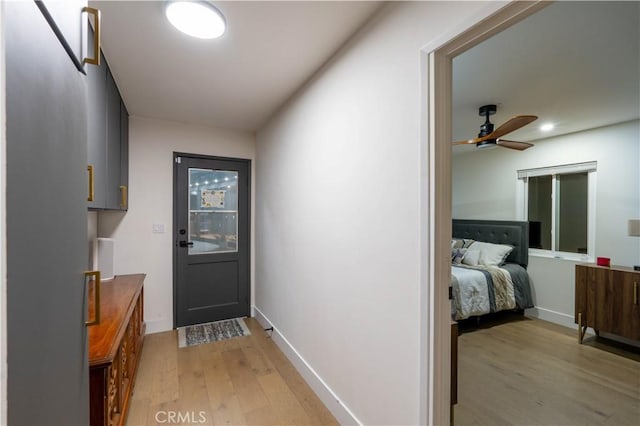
(574,64)
(238,81)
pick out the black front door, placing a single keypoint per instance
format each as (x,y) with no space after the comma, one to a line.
(211,230)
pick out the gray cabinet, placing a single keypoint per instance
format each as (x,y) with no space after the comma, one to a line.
(46,222)
(108,141)
(97,137)
(114,192)
(124,154)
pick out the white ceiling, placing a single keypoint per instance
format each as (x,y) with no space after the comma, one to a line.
(237,81)
(574,64)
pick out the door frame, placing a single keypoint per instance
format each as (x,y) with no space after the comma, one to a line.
(436,62)
(174,227)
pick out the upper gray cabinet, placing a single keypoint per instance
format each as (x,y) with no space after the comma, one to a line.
(124,155)
(97,139)
(108,141)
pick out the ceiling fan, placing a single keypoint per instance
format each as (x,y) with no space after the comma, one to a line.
(488,138)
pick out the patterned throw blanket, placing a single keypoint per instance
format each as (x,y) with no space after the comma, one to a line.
(479,290)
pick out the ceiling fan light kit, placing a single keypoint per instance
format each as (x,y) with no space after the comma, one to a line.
(490,138)
(488,144)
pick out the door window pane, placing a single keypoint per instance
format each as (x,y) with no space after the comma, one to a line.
(213,211)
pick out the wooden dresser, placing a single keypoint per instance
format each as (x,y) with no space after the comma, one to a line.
(114,348)
(607,299)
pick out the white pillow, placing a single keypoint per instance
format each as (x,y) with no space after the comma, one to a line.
(491,254)
(471,257)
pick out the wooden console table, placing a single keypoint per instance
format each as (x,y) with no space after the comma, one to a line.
(114,348)
(607,299)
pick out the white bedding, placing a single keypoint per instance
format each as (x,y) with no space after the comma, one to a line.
(476,289)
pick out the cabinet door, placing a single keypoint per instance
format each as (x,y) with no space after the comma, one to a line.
(624,318)
(46,224)
(113,144)
(96,141)
(581,293)
(587,289)
(124,155)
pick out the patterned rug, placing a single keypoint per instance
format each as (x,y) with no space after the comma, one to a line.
(211,332)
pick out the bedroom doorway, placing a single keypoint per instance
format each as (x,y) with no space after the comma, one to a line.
(437,64)
(212,242)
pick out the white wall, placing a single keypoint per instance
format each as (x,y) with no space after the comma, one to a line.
(338,218)
(151,147)
(484,187)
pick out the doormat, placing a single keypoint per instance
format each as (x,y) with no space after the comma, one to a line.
(211,332)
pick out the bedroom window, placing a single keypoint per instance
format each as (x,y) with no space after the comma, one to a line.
(559,203)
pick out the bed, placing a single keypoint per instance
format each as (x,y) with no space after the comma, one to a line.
(489,267)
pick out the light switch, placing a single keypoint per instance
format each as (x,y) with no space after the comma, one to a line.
(157,228)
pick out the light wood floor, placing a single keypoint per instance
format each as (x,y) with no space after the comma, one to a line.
(242,381)
(531,372)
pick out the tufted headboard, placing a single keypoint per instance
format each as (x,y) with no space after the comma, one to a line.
(513,233)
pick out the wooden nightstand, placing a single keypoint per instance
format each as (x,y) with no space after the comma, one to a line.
(607,299)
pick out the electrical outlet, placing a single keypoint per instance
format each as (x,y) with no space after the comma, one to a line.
(157,228)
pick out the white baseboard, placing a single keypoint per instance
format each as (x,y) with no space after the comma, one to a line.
(319,386)
(552,316)
(158,326)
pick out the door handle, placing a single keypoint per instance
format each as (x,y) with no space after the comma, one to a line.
(123,197)
(91,183)
(97,18)
(186,243)
(96,295)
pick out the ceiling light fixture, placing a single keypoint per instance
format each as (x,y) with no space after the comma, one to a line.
(546,127)
(198,19)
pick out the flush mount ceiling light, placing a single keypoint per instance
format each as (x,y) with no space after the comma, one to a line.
(547,127)
(198,19)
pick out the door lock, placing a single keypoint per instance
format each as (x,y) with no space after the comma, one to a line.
(186,243)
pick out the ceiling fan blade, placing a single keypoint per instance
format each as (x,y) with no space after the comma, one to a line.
(513,124)
(520,146)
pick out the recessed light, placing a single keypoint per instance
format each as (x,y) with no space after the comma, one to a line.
(547,127)
(198,19)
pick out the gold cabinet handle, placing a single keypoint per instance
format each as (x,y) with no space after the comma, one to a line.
(96,295)
(97,17)
(91,183)
(635,293)
(123,196)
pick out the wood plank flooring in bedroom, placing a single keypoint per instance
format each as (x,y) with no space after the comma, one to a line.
(531,372)
(242,381)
